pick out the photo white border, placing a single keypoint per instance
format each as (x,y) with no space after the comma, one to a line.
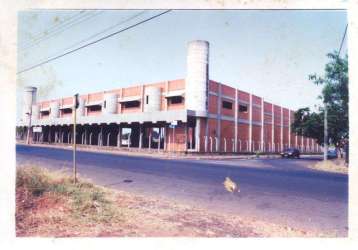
(8,40)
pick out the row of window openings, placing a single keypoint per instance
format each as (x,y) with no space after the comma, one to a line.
(64,111)
(172,100)
(228,105)
(131,104)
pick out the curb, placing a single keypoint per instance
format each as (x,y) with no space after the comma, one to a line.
(155,153)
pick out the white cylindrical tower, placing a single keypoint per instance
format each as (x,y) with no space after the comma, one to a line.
(110,103)
(35,111)
(152,99)
(29,99)
(54,109)
(197,78)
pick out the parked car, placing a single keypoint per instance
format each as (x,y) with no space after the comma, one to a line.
(291,153)
(332,154)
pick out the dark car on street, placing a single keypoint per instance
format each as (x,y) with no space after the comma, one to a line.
(291,153)
(332,154)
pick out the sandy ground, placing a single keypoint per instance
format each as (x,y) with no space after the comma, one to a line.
(50,216)
(333,166)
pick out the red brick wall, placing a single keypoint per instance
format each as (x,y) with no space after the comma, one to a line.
(227,132)
(213,104)
(228,112)
(227,91)
(243,135)
(213,86)
(256,136)
(227,127)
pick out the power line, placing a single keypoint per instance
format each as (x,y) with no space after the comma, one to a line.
(65,27)
(344,35)
(105,30)
(95,35)
(61,30)
(94,42)
(40,33)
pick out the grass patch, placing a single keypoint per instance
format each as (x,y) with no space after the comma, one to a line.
(42,195)
(334,166)
(49,204)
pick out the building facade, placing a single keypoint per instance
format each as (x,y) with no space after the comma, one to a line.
(192,114)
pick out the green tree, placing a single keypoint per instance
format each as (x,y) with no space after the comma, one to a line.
(335,95)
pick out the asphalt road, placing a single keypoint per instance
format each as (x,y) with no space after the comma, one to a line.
(277,190)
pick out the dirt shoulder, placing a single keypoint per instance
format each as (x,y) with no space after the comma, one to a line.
(333,166)
(48,204)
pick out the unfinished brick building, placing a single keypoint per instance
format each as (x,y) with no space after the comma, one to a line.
(191,114)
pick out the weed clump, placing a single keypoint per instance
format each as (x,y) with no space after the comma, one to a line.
(85,203)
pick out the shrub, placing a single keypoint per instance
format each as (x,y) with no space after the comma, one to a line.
(33,179)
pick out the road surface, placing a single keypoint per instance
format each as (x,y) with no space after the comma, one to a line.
(276,190)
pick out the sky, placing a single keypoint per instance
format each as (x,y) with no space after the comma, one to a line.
(269,53)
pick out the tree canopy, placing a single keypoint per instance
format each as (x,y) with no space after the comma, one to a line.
(335,95)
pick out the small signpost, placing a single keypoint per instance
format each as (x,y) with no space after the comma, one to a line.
(172,125)
(37,129)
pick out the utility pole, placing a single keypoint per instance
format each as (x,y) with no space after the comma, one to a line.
(325,138)
(75,106)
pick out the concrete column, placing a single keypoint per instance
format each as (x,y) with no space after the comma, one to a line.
(140,135)
(273,128)
(236,121)
(197,134)
(49,135)
(173,141)
(150,139)
(100,142)
(165,138)
(120,136)
(159,138)
(186,136)
(302,143)
(109,134)
(262,124)
(118,139)
(250,124)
